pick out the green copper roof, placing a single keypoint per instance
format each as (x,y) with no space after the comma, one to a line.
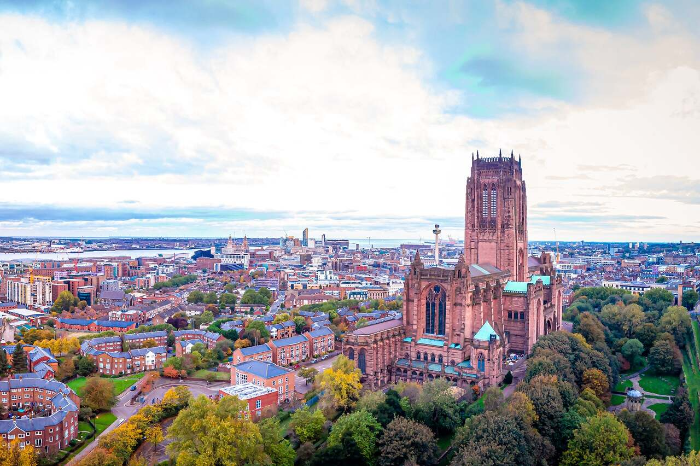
(515,287)
(546,279)
(408,339)
(485,332)
(431,342)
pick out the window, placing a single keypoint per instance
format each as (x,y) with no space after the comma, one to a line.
(522,316)
(435,311)
(258,404)
(510,314)
(493,200)
(485,202)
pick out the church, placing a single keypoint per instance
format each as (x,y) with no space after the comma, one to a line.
(461,323)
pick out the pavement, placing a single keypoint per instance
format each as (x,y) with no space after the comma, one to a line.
(518,370)
(124,410)
(300,384)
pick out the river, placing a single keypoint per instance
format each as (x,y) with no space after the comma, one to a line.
(133,253)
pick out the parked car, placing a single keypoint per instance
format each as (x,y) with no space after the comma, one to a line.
(314,361)
(296,366)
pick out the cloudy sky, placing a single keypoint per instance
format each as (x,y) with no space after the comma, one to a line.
(352,117)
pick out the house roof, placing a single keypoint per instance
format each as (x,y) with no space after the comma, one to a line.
(262,369)
(290,341)
(249,351)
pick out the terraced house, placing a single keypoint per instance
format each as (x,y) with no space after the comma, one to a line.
(129,362)
(55,406)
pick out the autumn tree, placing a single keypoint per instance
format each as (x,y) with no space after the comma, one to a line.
(676,321)
(341,383)
(596,381)
(215,431)
(648,433)
(308,374)
(601,440)
(98,394)
(100,457)
(406,442)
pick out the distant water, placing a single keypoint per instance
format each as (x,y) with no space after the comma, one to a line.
(132,253)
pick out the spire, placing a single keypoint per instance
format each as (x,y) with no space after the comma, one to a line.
(511,154)
(477,154)
(500,154)
(416,260)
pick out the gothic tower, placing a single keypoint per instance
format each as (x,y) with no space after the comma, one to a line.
(495,227)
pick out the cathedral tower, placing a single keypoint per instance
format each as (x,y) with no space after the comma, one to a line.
(495,227)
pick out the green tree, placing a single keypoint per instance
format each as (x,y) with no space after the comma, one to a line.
(64,302)
(19,360)
(664,358)
(308,374)
(362,427)
(632,351)
(590,327)
(647,432)
(680,413)
(212,433)
(601,440)
(436,407)
(4,364)
(211,298)
(277,448)
(676,321)
(228,299)
(307,425)
(299,323)
(85,366)
(646,333)
(407,442)
(346,453)
(195,297)
(258,325)
(98,394)
(690,299)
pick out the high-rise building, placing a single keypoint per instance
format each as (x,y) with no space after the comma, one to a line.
(305,237)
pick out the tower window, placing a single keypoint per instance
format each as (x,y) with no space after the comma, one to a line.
(485,202)
(435,311)
(493,201)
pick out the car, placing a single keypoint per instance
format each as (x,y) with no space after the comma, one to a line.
(133,388)
(314,361)
(296,366)
(324,357)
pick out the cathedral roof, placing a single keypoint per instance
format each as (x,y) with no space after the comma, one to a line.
(485,332)
(479,270)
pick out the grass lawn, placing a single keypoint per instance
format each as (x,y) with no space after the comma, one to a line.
(445,441)
(617,400)
(202,374)
(103,421)
(659,409)
(623,385)
(692,380)
(659,384)
(120,384)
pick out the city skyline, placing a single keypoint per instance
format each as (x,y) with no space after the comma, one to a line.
(353,119)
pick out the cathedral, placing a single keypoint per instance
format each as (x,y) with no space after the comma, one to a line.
(461,323)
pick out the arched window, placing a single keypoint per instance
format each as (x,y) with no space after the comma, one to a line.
(425,357)
(418,355)
(362,362)
(481,363)
(351,354)
(485,202)
(440,359)
(432,357)
(494,198)
(435,311)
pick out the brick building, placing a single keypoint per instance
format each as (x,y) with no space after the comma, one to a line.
(265,374)
(258,398)
(289,350)
(257,353)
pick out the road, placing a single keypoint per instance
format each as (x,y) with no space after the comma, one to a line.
(274,309)
(300,384)
(123,410)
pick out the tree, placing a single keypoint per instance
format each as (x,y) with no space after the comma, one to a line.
(680,413)
(601,440)
(676,321)
(362,427)
(646,333)
(664,358)
(370,401)
(299,323)
(277,448)
(122,441)
(98,394)
(13,455)
(656,299)
(341,383)
(647,432)
(86,366)
(508,378)
(590,327)
(258,325)
(690,299)
(596,381)
(242,343)
(436,407)
(195,297)
(390,408)
(4,364)
(228,299)
(19,360)
(632,351)
(308,374)
(211,298)
(691,459)
(177,396)
(493,398)
(64,302)
(100,457)
(66,369)
(307,425)
(154,435)
(215,431)
(347,453)
(406,442)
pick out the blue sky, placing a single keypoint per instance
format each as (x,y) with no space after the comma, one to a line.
(354,118)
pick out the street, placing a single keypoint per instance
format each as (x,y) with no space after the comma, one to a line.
(123,410)
(300,384)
